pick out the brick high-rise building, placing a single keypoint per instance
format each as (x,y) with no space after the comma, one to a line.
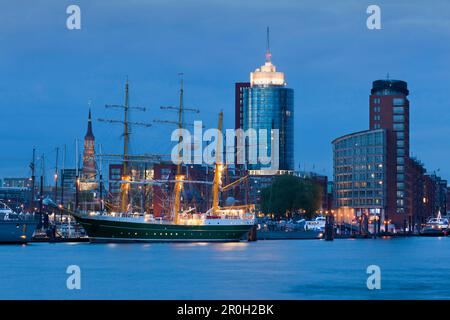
(389,110)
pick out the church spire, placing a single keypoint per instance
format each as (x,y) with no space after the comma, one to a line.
(89,133)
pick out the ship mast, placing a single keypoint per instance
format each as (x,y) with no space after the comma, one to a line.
(125,176)
(126,139)
(218,168)
(179,177)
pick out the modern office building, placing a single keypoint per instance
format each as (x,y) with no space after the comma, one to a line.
(361,174)
(264,104)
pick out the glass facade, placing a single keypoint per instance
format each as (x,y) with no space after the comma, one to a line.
(360,170)
(271,107)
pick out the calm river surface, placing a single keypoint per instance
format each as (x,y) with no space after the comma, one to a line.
(411,268)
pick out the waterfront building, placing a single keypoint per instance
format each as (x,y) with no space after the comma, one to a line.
(266,103)
(429,193)
(89,171)
(17,198)
(361,175)
(448,200)
(405,194)
(439,199)
(17,182)
(68,185)
(389,110)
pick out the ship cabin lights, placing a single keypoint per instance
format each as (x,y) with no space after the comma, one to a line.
(125,185)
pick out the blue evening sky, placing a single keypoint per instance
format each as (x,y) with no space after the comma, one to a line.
(49,73)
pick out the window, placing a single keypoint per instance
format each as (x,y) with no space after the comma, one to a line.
(399,118)
(399,102)
(399,126)
(399,110)
(400,143)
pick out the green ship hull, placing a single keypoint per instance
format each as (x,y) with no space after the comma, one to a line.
(111,230)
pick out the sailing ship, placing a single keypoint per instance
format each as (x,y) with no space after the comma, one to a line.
(222,224)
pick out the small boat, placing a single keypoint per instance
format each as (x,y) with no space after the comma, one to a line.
(318,224)
(16,227)
(436,227)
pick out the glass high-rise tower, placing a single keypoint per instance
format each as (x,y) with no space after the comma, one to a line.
(266,103)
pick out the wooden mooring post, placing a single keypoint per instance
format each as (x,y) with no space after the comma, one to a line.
(252,234)
(329,227)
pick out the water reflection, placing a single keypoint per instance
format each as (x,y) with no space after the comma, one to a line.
(231,246)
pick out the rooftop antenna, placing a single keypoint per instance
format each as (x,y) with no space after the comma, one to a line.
(387,76)
(268,54)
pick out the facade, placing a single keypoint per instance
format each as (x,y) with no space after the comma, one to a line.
(361,174)
(68,185)
(448,200)
(429,193)
(194,195)
(115,174)
(266,103)
(139,194)
(17,198)
(17,182)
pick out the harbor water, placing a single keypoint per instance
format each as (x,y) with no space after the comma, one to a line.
(411,268)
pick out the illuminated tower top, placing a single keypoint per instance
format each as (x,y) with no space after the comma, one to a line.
(89,165)
(267,74)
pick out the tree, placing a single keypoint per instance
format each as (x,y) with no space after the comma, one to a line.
(288,194)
